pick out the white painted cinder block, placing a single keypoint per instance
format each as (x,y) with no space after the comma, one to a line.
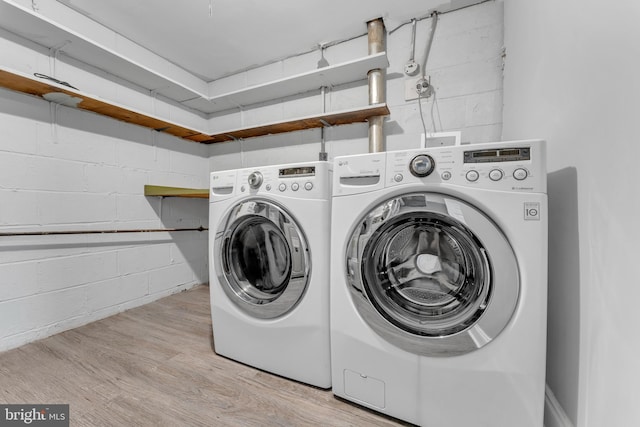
(67,169)
(143,258)
(280,149)
(166,278)
(22,55)
(40,311)
(18,208)
(183,163)
(68,272)
(301,63)
(75,208)
(349,50)
(114,292)
(183,213)
(484,109)
(19,117)
(28,172)
(17,278)
(309,104)
(259,114)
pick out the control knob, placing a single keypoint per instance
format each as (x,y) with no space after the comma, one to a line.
(422,165)
(255,180)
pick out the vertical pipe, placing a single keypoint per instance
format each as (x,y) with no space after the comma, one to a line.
(376,33)
(322,156)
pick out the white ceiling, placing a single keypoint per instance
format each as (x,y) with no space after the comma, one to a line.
(216,38)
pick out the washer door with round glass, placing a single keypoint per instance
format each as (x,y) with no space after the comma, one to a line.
(262,259)
(432,274)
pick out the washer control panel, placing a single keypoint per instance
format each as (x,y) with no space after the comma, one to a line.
(511,165)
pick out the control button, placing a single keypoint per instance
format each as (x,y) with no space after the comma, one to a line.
(295,186)
(446,175)
(520,174)
(268,187)
(308,185)
(282,187)
(398,177)
(255,180)
(496,175)
(472,176)
(422,165)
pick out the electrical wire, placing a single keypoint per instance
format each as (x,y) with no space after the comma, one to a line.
(434,105)
(424,126)
(428,15)
(53,79)
(434,24)
(413,40)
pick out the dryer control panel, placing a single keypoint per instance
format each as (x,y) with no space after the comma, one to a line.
(305,181)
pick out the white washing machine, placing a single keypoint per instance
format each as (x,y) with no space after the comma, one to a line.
(269,261)
(439,283)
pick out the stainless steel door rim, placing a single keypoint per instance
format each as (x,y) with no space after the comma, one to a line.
(262,258)
(432,274)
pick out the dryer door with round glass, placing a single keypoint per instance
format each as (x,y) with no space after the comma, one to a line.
(262,259)
(432,274)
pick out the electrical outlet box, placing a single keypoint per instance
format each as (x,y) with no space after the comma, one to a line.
(411,68)
(410,92)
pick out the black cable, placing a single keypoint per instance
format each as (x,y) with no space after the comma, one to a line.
(60,82)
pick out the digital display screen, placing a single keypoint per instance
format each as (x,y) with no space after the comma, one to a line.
(498,155)
(300,171)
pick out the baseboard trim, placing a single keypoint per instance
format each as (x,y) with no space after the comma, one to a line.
(554,415)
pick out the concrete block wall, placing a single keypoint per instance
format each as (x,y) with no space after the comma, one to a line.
(66,169)
(465,65)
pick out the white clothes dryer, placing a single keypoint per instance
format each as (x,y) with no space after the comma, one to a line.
(269,265)
(439,283)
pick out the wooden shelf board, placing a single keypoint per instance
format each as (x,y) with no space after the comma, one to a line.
(45,89)
(158,190)
(38,87)
(331,119)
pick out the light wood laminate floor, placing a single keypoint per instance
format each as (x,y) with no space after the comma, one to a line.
(154,366)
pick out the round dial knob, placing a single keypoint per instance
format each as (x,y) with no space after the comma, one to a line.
(422,165)
(255,180)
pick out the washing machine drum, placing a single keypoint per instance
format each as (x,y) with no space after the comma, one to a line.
(262,259)
(432,274)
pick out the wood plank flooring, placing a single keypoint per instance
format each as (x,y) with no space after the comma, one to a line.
(154,366)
